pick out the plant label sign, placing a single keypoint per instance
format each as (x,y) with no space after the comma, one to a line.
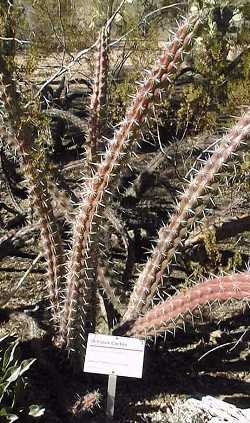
(114,355)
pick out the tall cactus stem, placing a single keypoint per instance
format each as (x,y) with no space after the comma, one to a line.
(98,98)
(23,143)
(77,284)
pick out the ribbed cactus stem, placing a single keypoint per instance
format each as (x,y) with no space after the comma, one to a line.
(21,138)
(98,98)
(165,315)
(103,76)
(50,234)
(77,280)
(94,101)
(170,236)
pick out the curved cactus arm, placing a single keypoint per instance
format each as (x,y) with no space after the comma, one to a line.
(171,236)
(165,315)
(78,282)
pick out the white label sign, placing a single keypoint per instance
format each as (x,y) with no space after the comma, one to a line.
(114,355)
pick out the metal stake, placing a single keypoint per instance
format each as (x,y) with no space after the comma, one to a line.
(111,396)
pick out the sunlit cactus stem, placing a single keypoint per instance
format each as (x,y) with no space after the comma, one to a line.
(171,236)
(78,282)
(171,312)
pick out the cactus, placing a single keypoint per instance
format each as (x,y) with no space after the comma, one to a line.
(73,291)
(165,315)
(98,98)
(87,403)
(78,279)
(24,138)
(171,236)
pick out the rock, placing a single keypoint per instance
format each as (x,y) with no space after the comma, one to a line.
(208,409)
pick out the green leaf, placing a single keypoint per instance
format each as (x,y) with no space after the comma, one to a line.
(3,389)
(3,338)
(36,410)
(8,372)
(13,373)
(8,417)
(25,365)
(3,412)
(12,418)
(9,354)
(1,358)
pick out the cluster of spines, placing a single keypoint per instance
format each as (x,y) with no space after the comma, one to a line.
(166,315)
(50,233)
(87,403)
(96,186)
(103,77)
(172,235)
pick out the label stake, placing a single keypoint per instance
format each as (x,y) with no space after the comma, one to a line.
(114,356)
(111,396)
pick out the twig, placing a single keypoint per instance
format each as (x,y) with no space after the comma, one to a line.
(239,340)
(79,56)
(21,281)
(62,71)
(15,39)
(214,349)
(111,19)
